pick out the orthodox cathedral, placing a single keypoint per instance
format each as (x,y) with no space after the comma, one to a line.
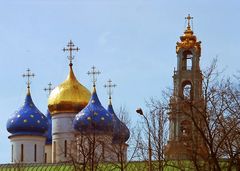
(75,125)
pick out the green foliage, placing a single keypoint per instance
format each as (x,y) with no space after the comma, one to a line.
(178,165)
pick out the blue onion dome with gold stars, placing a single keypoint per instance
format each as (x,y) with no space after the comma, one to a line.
(48,134)
(94,118)
(121,132)
(27,120)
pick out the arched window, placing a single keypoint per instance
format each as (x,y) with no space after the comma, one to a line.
(12,152)
(185,127)
(22,152)
(187,60)
(65,148)
(187,90)
(54,151)
(45,157)
(35,152)
(103,150)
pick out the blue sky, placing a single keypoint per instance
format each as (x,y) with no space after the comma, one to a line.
(130,41)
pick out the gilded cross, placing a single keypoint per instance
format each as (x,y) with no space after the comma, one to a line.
(49,89)
(28,74)
(188,18)
(109,87)
(70,47)
(94,72)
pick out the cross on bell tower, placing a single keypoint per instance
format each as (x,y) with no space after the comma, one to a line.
(187,92)
(188,18)
(94,73)
(28,74)
(109,87)
(70,48)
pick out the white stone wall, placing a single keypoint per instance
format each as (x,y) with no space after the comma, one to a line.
(48,153)
(28,143)
(104,150)
(62,130)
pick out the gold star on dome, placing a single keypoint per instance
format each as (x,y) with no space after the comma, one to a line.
(38,121)
(95,113)
(25,121)
(102,118)
(18,116)
(32,116)
(89,118)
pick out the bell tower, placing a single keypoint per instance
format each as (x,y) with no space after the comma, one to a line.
(187,100)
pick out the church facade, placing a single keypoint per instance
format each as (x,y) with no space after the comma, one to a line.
(76,127)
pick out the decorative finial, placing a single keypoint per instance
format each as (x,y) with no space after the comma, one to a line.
(28,75)
(188,18)
(49,89)
(70,47)
(109,87)
(93,72)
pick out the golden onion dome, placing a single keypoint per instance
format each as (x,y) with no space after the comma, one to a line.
(188,40)
(68,97)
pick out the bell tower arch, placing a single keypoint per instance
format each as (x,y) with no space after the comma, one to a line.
(187,79)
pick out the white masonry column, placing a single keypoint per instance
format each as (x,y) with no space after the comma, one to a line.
(63,137)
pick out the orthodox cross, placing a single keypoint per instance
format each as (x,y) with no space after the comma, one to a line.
(49,89)
(189,18)
(109,86)
(70,47)
(93,72)
(28,75)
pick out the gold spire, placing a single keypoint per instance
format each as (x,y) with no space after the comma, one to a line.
(70,96)
(28,75)
(188,40)
(109,87)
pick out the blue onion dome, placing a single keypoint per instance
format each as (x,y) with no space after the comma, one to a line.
(94,118)
(121,132)
(48,134)
(28,120)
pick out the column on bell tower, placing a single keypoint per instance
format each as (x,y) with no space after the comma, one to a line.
(187,79)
